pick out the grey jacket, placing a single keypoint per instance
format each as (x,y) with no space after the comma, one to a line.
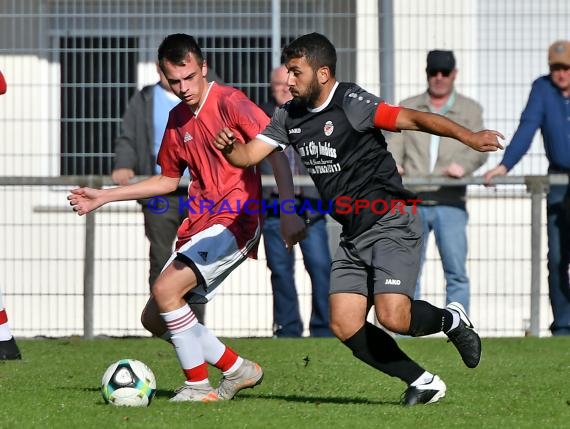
(134,146)
(410,149)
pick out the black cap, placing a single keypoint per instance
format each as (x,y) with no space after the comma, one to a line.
(440,60)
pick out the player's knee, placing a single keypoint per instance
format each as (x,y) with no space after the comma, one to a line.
(165,294)
(159,291)
(335,329)
(343,329)
(394,321)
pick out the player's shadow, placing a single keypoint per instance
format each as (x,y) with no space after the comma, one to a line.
(162,393)
(159,392)
(321,399)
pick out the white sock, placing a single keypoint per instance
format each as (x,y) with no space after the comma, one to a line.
(212,347)
(425,378)
(234,367)
(456,319)
(188,349)
(205,382)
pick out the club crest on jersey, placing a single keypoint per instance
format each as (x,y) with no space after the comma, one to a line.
(187,137)
(329,128)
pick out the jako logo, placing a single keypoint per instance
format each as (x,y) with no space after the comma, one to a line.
(393,282)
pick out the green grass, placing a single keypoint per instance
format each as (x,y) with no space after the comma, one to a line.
(309,383)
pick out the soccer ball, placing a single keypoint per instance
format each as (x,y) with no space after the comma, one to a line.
(128,382)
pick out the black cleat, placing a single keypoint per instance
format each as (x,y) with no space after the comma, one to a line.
(424,393)
(9,350)
(464,337)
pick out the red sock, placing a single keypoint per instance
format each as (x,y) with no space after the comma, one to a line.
(227,360)
(197,374)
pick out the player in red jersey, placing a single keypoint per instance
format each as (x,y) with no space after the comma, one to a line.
(219,232)
(8,348)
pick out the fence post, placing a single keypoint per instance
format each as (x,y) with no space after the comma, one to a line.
(536,185)
(89,268)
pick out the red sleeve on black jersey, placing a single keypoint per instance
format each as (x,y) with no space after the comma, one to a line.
(385,116)
(2,84)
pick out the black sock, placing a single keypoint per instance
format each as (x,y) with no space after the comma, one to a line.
(379,350)
(428,319)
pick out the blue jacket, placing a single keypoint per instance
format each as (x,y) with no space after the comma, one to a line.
(548,110)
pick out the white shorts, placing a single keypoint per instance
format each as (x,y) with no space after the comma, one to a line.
(212,254)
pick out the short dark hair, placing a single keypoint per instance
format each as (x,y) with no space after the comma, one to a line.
(316,48)
(176,47)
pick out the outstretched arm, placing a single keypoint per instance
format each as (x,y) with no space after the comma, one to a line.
(482,141)
(85,200)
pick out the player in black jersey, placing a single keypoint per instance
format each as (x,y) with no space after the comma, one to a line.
(335,128)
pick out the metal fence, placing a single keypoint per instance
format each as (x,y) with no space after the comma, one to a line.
(72,65)
(65,275)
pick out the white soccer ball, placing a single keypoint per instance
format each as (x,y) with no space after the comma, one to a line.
(129,383)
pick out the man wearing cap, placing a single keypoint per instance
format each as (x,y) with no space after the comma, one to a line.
(443,209)
(548,108)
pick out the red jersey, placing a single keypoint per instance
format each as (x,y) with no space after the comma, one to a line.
(218,191)
(2,84)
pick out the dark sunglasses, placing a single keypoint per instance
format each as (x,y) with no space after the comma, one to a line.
(559,67)
(444,73)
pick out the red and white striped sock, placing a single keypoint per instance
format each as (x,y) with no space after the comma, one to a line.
(180,323)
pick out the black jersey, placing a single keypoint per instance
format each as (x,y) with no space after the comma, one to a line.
(344,153)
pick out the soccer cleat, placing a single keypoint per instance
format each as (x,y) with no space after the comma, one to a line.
(464,337)
(248,375)
(425,393)
(9,350)
(195,393)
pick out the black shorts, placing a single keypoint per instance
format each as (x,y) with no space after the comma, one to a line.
(383,259)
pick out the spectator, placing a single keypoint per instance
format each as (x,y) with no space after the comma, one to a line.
(442,209)
(287,320)
(548,108)
(136,150)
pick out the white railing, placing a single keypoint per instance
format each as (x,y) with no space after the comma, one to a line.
(65,275)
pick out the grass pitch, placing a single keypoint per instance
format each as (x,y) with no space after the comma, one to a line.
(309,383)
